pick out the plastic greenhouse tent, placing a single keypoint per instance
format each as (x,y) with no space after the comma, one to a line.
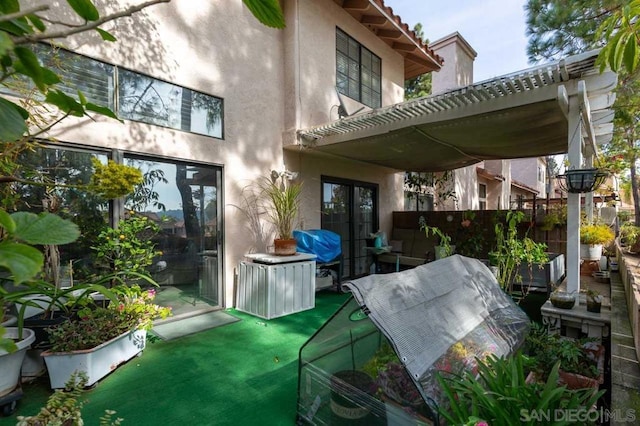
(374,361)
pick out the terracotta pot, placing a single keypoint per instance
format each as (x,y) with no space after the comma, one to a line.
(284,247)
(578,381)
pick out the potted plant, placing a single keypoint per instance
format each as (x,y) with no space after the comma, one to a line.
(501,394)
(592,237)
(514,256)
(581,360)
(19,232)
(594,301)
(282,207)
(102,337)
(444,247)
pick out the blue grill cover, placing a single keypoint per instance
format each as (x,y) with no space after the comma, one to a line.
(324,244)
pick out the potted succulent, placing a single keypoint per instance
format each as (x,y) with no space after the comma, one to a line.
(282,206)
(592,238)
(102,337)
(594,301)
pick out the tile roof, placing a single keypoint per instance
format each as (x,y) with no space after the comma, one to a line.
(388,26)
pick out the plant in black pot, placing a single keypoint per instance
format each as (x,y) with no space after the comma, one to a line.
(594,301)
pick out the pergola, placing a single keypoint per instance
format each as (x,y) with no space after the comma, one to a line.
(549,109)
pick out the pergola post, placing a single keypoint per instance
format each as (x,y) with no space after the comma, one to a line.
(573,200)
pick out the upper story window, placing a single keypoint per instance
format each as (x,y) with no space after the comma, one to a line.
(135,96)
(358,71)
(540,174)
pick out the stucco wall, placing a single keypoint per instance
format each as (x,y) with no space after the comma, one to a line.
(219,48)
(315,31)
(525,170)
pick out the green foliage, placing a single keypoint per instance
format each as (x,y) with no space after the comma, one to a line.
(546,349)
(622,32)
(114,180)
(596,234)
(557,28)
(444,240)
(554,216)
(419,86)
(436,184)
(629,234)
(6,344)
(128,248)
(282,203)
(501,395)
(268,12)
(22,229)
(511,251)
(133,310)
(64,407)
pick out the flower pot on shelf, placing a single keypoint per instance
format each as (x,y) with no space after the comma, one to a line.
(11,363)
(590,252)
(284,247)
(96,362)
(562,300)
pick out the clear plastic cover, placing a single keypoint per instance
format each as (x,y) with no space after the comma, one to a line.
(375,360)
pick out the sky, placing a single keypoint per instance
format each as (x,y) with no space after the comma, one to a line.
(494,28)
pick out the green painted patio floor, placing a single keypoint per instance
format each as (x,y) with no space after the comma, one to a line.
(243,373)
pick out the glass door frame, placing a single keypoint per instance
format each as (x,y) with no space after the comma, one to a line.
(351,184)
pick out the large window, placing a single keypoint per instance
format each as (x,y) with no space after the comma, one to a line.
(183,199)
(138,97)
(358,71)
(146,99)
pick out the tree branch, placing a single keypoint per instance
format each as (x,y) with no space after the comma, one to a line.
(23,13)
(34,38)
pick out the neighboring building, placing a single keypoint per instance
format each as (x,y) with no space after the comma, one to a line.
(210,97)
(488,185)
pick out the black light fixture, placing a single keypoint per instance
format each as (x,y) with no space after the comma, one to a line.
(579,181)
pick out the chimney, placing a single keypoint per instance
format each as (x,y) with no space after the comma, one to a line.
(457,70)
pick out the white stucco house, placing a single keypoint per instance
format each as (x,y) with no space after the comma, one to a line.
(212,101)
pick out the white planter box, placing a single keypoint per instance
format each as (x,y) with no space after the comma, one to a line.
(96,362)
(10,363)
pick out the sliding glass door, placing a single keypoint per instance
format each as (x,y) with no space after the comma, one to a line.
(184,200)
(350,209)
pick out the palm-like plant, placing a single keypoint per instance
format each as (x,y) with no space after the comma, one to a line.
(283,203)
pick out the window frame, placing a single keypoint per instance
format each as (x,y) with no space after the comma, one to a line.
(362,51)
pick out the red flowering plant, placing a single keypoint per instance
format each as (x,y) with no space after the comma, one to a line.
(95,324)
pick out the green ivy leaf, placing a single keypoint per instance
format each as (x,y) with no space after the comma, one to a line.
(106,36)
(45,228)
(23,261)
(85,9)
(267,12)
(12,121)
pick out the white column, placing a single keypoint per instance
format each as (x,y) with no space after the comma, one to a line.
(573,200)
(588,197)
